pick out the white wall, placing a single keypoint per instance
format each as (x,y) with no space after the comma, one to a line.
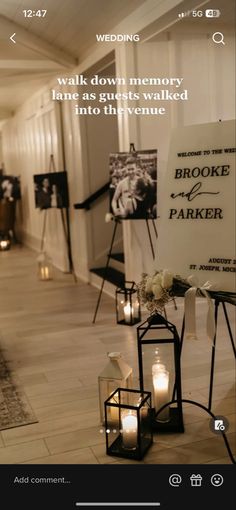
(101,138)
(29,139)
(208,70)
(1,154)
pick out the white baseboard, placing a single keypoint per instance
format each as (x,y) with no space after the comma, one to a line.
(34,243)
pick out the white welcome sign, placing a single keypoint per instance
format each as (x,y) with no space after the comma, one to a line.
(197,227)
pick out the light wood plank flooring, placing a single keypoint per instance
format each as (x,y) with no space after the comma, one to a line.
(56,354)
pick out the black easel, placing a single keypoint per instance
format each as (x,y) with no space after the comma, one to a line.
(218,301)
(117,220)
(150,239)
(106,268)
(131,150)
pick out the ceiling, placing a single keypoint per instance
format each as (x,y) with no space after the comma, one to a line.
(46,46)
(70,24)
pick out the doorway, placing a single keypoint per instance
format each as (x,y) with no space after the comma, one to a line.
(101,140)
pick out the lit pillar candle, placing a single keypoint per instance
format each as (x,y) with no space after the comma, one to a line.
(4,244)
(160,380)
(128,313)
(136,309)
(129,430)
(44,273)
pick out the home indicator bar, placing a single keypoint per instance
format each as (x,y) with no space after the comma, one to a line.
(117,504)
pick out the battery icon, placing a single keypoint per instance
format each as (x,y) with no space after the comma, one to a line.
(212,13)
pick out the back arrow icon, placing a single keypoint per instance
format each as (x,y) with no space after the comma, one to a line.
(12,37)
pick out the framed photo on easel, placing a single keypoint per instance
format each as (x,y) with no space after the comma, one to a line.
(51,190)
(133,184)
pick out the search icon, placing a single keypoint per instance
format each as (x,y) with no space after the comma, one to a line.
(218,38)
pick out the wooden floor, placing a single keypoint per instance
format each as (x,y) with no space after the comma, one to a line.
(56,354)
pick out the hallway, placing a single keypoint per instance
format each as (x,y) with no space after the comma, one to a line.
(56,354)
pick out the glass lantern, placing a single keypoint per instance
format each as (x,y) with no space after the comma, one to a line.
(5,244)
(116,373)
(44,267)
(128,310)
(132,436)
(159,371)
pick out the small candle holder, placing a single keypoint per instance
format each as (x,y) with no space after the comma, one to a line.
(132,437)
(128,310)
(5,244)
(44,267)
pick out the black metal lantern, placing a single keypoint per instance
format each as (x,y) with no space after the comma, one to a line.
(159,371)
(133,435)
(128,310)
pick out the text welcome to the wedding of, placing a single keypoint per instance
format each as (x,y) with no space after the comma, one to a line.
(200,178)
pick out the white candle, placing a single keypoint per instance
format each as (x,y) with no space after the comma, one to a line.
(160,380)
(44,273)
(136,309)
(127,313)
(129,430)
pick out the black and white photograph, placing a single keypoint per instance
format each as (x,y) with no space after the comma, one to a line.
(133,184)
(9,188)
(51,190)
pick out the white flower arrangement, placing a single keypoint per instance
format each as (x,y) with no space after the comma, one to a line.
(162,286)
(155,290)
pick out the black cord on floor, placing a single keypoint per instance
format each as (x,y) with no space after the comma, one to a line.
(210,413)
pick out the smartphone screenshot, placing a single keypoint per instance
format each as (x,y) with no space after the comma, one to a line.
(117,254)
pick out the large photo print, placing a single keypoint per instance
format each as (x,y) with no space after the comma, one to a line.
(133,184)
